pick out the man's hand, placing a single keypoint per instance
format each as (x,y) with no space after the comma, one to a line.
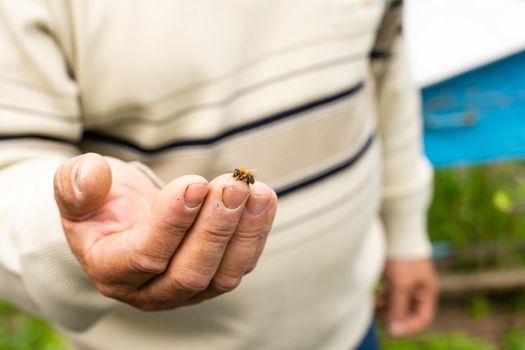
(407,301)
(161,249)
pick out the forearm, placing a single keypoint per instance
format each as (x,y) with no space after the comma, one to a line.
(407,174)
(404,213)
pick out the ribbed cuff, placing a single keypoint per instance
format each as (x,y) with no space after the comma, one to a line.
(407,236)
(404,213)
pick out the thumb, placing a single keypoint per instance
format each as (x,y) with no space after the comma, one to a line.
(81,185)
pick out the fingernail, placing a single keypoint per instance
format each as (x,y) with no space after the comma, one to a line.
(195,194)
(396,328)
(257,203)
(233,196)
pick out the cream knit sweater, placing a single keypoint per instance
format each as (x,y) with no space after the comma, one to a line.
(312,93)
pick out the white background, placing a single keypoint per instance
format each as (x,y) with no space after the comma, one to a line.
(447,37)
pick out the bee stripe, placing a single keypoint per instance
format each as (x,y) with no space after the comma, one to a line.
(281,192)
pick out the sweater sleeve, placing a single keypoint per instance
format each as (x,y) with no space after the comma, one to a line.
(407,174)
(39,127)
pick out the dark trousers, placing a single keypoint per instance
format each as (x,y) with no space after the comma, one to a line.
(370,341)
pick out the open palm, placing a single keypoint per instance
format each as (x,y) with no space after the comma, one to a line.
(161,248)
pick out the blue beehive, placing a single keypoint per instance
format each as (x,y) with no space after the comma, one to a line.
(478,116)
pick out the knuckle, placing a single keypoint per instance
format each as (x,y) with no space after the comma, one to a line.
(139,301)
(401,284)
(147,307)
(191,283)
(402,288)
(251,268)
(113,292)
(146,264)
(225,283)
(250,234)
(252,240)
(218,234)
(106,290)
(143,305)
(180,223)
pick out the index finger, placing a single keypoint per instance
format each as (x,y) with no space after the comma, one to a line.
(146,249)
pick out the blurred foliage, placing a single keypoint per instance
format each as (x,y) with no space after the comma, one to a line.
(514,339)
(476,206)
(479,306)
(18,331)
(456,341)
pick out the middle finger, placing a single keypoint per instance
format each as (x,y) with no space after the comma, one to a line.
(246,245)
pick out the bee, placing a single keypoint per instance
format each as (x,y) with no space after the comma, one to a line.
(244,174)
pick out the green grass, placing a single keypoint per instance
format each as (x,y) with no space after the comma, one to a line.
(19,331)
(515,339)
(455,341)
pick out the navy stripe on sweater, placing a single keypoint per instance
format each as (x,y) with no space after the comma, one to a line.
(326,173)
(207,141)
